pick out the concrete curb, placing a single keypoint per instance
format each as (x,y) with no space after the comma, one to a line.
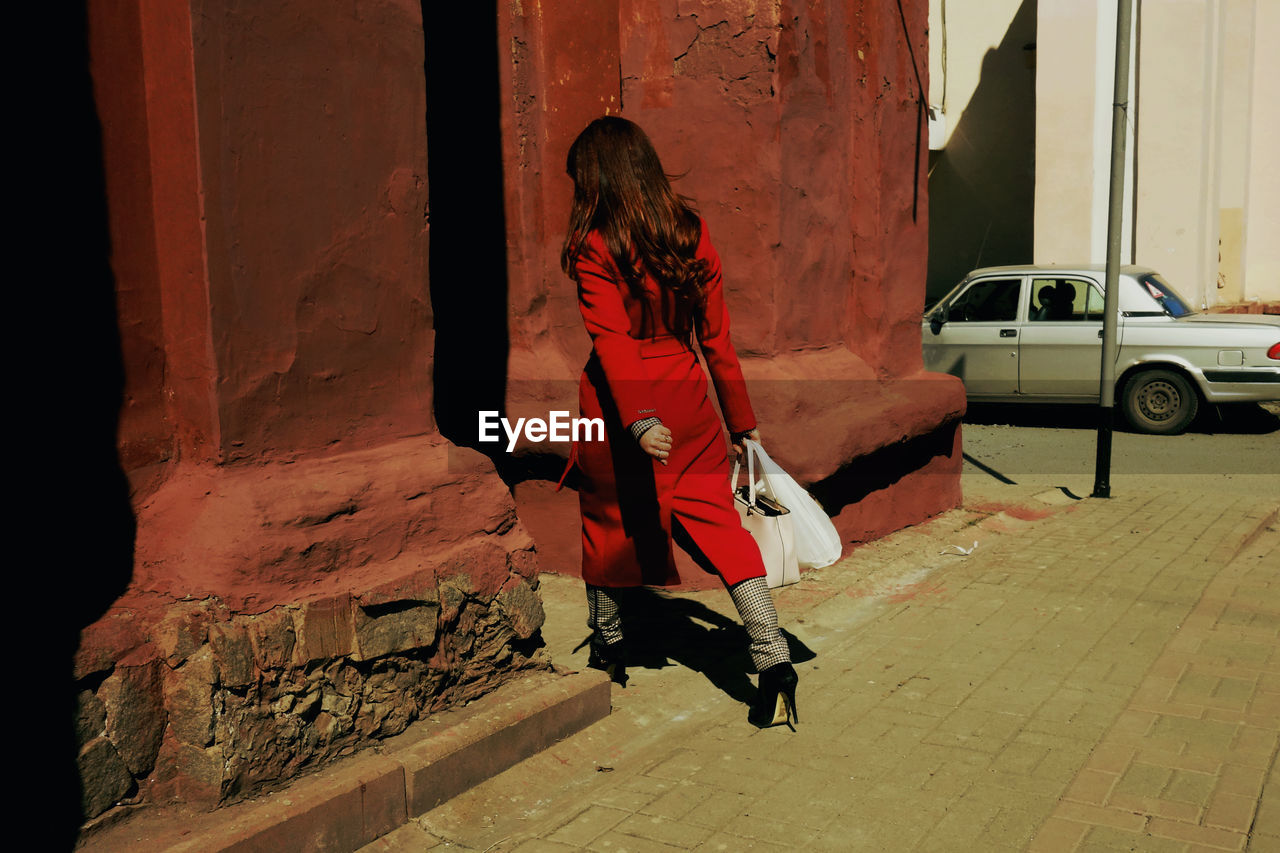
(363,797)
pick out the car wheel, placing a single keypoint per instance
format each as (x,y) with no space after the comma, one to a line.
(1160,401)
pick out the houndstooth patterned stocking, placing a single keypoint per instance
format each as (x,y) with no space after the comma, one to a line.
(755,608)
(603,616)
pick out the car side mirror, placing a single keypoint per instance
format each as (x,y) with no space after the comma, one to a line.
(935,323)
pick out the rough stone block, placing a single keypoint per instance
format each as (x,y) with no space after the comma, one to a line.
(522,608)
(91,717)
(483,563)
(188,692)
(324,630)
(182,629)
(525,563)
(273,636)
(135,718)
(104,779)
(453,594)
(233,652)
(396,627)
(199,779)
(106,641)
(411,582)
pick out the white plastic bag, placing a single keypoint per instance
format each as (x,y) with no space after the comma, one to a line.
(817,544)
(769,523)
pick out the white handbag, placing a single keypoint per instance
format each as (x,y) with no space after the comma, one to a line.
(768,522)
(817,542)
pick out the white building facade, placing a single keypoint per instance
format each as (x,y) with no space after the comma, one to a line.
(1202,185)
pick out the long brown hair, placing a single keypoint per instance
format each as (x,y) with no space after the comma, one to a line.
(620,190)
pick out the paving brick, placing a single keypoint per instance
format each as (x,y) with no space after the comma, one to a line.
(1240,779)
(1176,733)
(1190,833)
(677,802)
(1156,806)
(719,810)
(1235,651)
(681,764)
(1267,819)
(1189,787)
(1062,762)
(1179,761)
(725,843)
(1091,786)
(1143,780)
(1111,840)
(1253,747)
(1111,757)
(644,784)
(1131,725)
(662,830)
(1010,829)
(1266,705)
(1020,757)
(625,799)
(1191,687)
(533,845)
(617,842)
(960,826)
(1101,816)
(770,831)
(1057,835)
(1231,812)
(588,824)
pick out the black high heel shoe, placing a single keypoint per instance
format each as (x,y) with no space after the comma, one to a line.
(776,700)
(610,658)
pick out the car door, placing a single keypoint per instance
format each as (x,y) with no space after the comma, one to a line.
(1061,340)
(977,337)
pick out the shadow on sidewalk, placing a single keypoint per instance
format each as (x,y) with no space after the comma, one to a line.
(664,630)
(1226,419)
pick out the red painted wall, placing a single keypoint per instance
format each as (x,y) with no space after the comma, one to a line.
(313,152)
(793,126)
(267,185)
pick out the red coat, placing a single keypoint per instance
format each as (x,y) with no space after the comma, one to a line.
(629,499)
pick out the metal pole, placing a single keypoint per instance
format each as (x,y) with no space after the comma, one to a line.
(1115,215)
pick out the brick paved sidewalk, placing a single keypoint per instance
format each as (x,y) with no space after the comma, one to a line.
(1100,674)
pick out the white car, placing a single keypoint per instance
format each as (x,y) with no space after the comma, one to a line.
(1034,334)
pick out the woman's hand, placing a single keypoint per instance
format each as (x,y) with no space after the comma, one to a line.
(657,442)
(738,447)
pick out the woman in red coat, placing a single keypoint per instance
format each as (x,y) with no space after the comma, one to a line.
(649,287)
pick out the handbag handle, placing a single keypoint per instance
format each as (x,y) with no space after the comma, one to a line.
(750,450)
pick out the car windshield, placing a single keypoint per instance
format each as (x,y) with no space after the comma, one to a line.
(1173,304)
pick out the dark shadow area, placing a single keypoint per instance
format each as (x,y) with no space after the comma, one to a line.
(1237,419)
(982,185)
(882,468)
(82,488)
(1050,415)
(665,630)
(987,469)
(468,238)
(519,467)
(1233,419)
